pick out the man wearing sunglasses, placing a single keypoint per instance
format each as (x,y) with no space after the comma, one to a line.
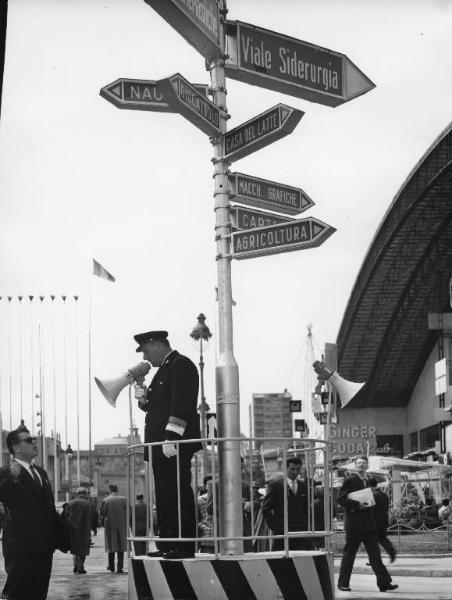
(29,533)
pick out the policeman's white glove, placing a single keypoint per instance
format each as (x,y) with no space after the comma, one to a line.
(169,449)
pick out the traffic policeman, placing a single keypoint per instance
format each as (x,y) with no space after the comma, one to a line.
(171,415)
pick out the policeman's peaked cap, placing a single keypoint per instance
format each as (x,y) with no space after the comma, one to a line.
(149,336)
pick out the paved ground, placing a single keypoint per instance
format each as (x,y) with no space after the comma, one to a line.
(419,578)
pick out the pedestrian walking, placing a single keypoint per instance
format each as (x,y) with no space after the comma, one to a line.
(140,509)
(444,512)
(205,516)
(381,510)
(114,512)
(171,415)
(80,522)
(31,521)
(360,527)
(297,507)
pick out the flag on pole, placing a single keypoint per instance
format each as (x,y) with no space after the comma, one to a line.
(100,271)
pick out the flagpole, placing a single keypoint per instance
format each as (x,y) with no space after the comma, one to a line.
(65,371)
(89,381)
(20,357)
(41,386)
(32,368)
(77,388)
(9,366)
(55,445)
(1,418)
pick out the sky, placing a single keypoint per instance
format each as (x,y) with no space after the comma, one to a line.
(81,179)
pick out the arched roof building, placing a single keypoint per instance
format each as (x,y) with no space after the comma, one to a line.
(384,338)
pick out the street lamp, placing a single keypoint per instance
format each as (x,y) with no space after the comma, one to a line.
(202,333)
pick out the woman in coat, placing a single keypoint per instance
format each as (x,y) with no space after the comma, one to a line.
(80,520)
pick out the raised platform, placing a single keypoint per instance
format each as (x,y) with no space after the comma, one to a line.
(253,576)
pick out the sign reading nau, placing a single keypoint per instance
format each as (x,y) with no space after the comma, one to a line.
(141,94)
(291,66)
(285,237)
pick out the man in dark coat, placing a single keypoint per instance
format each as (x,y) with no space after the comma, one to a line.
(114,510)
(30,521)
(171,415)
(360,526)
(140,510)
(80,521)
(297,507)
(381,510)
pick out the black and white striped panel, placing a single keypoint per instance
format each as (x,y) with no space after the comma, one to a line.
(251,577)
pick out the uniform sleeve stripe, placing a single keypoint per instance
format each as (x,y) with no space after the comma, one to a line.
(233,580)
(175,429)
(178,580)
(177,421)
(287,578)
(323,573)
(143,590)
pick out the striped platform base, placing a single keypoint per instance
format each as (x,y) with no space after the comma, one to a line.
(263,576)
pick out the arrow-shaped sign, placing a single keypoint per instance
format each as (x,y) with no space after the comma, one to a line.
(262,193)
(141,94)
(249,218)
(186,100)
(285,237)
(260,131)
(285,64)
(198,21)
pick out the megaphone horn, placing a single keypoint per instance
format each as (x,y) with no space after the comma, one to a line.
(346,389)
(111,388)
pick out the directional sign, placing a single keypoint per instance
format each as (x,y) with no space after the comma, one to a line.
(198,21)
(294,405)
(187,101)
(284,64)
(141,94)
(269,126)
(274,239)
(268,194)
(300,425)
(248,218)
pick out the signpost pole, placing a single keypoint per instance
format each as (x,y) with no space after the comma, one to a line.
(227,374)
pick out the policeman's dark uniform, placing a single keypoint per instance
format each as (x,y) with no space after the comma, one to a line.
(171,414)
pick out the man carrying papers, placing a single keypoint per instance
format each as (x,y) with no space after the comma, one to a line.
(356,497)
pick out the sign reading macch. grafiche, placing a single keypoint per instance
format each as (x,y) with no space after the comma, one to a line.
(285,237)
(285,64)
(270,195)
(260,131)
(198,21)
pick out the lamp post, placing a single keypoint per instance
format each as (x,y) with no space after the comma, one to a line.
(199,333)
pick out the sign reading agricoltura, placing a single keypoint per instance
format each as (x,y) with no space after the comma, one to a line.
(285,64)
(284,237)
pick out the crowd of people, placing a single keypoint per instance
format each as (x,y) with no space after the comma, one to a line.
(33,529)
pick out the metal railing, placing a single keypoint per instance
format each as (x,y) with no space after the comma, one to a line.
(315,457)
